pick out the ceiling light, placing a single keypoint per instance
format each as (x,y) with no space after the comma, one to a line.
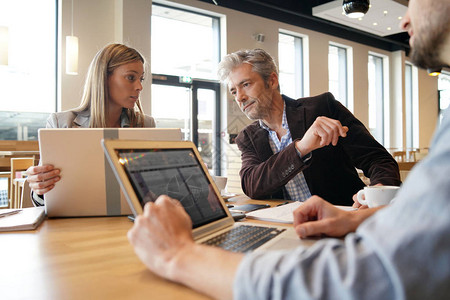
(389,28)
(434,71)
(375,24)
(355,8)
(400,18)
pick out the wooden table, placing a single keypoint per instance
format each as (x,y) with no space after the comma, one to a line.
(81,258)
(5,158)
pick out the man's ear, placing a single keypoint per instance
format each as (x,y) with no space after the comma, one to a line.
(273,81)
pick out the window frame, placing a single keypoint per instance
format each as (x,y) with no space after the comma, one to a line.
(346,61)
(382,135)
(300,63)
(28,122)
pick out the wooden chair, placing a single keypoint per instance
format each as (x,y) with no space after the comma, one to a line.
(399,156)
(412,155)
(17,165)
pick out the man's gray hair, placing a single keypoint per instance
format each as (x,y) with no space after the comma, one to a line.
(261,62)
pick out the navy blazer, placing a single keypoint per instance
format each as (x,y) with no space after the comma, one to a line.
(330,173)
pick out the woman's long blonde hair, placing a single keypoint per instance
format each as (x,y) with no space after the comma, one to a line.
(95,94)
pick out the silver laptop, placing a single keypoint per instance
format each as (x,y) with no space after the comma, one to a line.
(87,186)
(147,169)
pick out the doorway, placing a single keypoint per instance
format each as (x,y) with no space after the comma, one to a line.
(194,106)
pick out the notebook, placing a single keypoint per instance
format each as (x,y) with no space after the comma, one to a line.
(21,219)
(87,186)
(147,169)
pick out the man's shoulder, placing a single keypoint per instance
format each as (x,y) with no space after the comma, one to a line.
(251,128)
(312,100)
(248,131)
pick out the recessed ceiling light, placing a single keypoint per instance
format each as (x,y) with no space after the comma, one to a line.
(359,19)
(389,28)
(385,12)
(400,17)
(375,24)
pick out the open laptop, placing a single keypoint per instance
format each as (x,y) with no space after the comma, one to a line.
(147,169)
(87,186)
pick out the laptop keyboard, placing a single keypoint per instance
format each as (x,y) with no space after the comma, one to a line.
(244,238)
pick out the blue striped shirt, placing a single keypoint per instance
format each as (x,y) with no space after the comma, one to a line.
(297,188)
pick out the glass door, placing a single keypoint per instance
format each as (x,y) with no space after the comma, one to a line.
(193,106)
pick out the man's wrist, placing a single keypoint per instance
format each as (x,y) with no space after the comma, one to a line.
(300,148)
(361,215)
(178,265)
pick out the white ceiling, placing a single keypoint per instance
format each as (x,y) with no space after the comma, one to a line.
(382,19)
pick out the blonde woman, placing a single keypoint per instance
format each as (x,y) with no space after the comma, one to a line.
(110,100)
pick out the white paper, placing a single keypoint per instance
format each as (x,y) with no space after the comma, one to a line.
(283,213)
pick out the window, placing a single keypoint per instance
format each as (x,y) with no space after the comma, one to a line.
(337,73)
(376,97)
(290,57)
(184,43)
(444,93)
(185,91)
(24,110)
(411,109)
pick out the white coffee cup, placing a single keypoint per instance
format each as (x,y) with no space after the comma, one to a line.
(377,195)
(221,183)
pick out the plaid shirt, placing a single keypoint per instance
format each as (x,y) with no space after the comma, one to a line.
(297,188)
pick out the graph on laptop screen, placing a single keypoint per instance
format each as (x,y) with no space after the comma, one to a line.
(176,173)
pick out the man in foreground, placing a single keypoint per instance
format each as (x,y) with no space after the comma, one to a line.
(399,252)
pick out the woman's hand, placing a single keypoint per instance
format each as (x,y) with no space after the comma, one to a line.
(42,178)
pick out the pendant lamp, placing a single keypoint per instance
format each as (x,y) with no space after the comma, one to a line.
(355,8)
(4,37)
(72,51)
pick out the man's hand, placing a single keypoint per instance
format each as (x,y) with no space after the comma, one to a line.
(160,235)
(356,203)
(323,131)
(42,178)
(317,216)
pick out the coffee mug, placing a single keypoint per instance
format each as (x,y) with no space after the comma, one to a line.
(377,195)
(221,183)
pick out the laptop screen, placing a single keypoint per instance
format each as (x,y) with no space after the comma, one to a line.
(176,173)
